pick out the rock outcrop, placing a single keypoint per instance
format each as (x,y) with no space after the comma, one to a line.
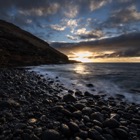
(21,48)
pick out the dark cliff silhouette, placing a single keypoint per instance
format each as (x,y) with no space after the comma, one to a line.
(20,48)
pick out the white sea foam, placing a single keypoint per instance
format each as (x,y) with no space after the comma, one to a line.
(77,76)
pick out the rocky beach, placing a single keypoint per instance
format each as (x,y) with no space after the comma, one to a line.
(31,108)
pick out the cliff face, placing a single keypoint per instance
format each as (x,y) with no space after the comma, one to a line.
(20,48)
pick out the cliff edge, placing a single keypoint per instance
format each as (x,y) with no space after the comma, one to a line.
(21,48)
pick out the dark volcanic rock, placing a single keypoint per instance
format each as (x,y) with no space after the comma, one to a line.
(73,126)
(19,47)
(121,133)
(69,98)
(51,134)
(32,109)
(65,130)
(111,123)
(95,135)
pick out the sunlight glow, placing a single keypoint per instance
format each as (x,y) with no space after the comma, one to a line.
(83,56)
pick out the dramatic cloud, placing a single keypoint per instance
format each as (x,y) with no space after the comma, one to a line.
(72,37)
(96,4)
(58,27)
(122,46)
(84,34)
(73,20)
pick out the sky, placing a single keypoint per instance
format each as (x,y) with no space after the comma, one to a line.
(74,21)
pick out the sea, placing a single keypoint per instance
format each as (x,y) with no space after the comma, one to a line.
(113,79)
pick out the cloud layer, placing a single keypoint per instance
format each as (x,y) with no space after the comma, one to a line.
(77,21)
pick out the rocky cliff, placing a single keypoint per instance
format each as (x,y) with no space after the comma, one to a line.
(20,48)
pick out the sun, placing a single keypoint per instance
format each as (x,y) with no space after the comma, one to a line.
(84,56)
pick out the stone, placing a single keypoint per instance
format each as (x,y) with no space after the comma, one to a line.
(69,98)
(65,130)
(66,112)
(20,126)
(86,118)
(77,114)
(135,120)
(121,133)
(79,106)
(34,137)
(89,85)
(87,110)
(74,127)
(95,135)
(51,134)
(108,137)
(98,128)
(111,123)
(97,116)
(83,134)
(26,136)
(96,122)
(120,96)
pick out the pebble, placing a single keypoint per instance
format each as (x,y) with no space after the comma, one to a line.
(73,126)
(69,98)
(65,130)
(33,108)
(111,123)
(121,133)
(51,134)
(97,116)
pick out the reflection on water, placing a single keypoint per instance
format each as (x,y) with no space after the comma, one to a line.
(80,69)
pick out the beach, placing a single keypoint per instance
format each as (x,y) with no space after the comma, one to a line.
(32,107)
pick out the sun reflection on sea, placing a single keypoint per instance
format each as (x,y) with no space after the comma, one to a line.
(81,69)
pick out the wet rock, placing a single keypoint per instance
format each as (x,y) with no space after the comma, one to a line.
(77,114)
(51,134)
(121,133)
(78,93)
(97,116)
(4,104)
(69,98)
(34,137)
(111,123)
(13,103)
(74,127)
(66,112)
(78,138)
(88,94)
(96,122)
(135,120)
(98,128)
(65,130)
(89,85)
(120,96)
(86,118)
(26,136)
(94,134)
(71,108)
(79,106)
(86,110)
(83,134)
(108,137)
(20,126)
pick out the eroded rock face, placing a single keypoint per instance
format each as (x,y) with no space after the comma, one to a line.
(19,48)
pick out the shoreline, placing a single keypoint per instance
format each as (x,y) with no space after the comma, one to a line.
(32,108)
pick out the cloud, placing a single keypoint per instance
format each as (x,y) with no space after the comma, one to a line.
(41,11)
(84,34)
(72,37)
(58,27)
(122,46)
(96,4)
(130,14)
(71,11)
